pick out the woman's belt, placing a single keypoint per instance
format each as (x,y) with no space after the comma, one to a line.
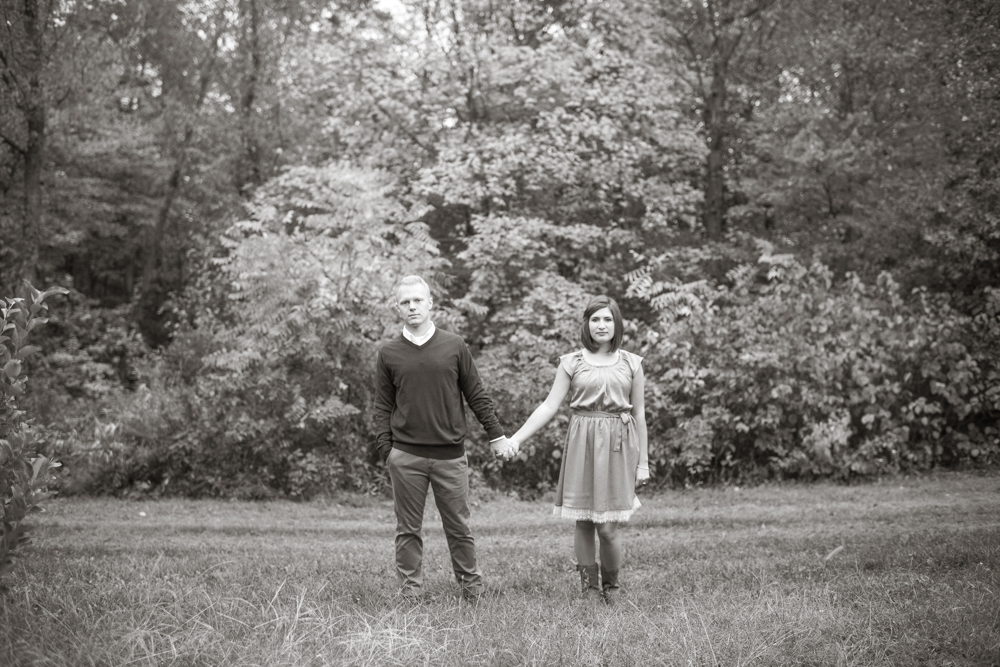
(626,418)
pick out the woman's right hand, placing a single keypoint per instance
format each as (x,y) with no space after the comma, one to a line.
(515,447)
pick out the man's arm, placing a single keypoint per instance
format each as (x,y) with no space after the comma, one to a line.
(475,395)
(385,403)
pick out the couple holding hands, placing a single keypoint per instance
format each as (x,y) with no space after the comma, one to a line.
(424,376)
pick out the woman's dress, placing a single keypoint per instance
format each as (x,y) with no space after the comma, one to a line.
(597,478)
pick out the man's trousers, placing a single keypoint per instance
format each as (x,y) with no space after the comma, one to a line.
(449,479)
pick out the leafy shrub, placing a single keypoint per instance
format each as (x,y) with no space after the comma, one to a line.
(93,456)
(780,372)
(796,376)
(93,363)
(24,475)
(264,388)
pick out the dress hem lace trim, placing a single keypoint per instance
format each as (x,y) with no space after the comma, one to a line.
(593,516)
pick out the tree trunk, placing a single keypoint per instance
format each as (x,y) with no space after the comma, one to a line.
(34,158)
(715,127)
(248,171)
(715,30)
(154,246)
(154,240)
(33,107)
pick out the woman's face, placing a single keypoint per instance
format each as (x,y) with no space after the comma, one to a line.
(602,327)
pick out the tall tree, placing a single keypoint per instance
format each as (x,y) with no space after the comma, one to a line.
(861,148)
(966,226)
(27,38)
(723,41)
(249,171)
(190,103)
(267,34)
(104,161)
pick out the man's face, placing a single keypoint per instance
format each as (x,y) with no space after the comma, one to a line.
(414,303)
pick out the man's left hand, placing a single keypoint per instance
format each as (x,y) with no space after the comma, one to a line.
(504,448)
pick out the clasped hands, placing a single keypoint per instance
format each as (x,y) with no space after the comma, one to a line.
(505,448)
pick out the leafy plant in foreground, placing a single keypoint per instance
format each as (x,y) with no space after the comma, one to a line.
(24,475)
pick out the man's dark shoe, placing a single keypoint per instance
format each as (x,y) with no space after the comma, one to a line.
(473,596)
(412,594)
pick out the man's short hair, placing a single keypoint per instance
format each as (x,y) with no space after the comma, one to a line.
(412,280)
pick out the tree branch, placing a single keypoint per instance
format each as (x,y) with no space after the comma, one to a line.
(13,144)
(409,133)
(759,8)
(728,53)
(713,27)
(9,76)
(686,38)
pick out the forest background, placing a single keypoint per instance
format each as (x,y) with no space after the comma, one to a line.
(796,202)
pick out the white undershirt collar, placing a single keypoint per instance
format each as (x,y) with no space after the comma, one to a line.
(419,340)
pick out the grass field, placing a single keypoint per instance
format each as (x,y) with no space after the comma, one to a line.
(899,572)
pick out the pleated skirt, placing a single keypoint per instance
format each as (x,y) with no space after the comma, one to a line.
(597,477)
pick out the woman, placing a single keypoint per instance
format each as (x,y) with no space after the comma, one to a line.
(606,451)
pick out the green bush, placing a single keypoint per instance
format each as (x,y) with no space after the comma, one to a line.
(24,474)
(784,373)
(93,362)
(265,386)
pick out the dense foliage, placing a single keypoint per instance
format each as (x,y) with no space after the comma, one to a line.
(786,372)
(24,473)
(271,361)
(796,204)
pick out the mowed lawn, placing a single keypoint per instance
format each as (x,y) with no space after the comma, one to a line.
(903,571)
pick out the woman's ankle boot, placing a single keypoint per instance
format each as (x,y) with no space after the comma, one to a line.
(588,582)
(609,580)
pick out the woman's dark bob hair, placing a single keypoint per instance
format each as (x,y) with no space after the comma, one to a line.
(595,305)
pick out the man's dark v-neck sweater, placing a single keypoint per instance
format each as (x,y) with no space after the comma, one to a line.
(418,397)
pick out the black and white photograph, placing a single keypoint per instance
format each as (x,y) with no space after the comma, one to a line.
(583,333)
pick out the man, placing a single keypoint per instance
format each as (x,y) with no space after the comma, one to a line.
(422,378)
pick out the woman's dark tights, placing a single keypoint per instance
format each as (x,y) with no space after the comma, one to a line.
(607,535)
